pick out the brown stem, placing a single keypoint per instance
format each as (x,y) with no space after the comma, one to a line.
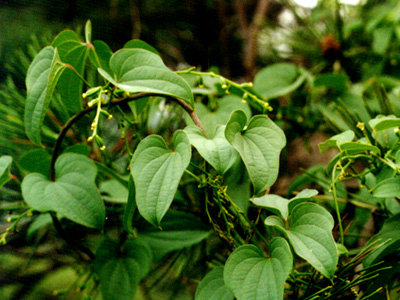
(250,32)
(135,20)
(114,102)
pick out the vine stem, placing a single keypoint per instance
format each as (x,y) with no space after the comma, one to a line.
(115,102)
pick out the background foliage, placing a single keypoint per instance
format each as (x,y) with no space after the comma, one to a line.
(330,75)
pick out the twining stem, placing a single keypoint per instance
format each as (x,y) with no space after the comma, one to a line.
(114,102)
(226,84)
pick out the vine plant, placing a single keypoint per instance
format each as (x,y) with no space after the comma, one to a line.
(212,177)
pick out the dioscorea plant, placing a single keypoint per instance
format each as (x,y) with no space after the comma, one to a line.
(163,186)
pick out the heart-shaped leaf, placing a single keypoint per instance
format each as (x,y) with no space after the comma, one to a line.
(72,195)
(73,52)
(310,234)
(41,80)
(5,166)
(251,276)
(156,171)
(212,287)
(259,145)
(121,269)
(139,70)
(281,206)
(216,151)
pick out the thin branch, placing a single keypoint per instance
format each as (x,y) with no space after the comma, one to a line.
(135,20)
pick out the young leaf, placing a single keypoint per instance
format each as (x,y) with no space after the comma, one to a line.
(251,276)
(310,234)
(73,195)
(139,70)
(120,270)
(156,171)
(73,52)
(41,79)
(216,151)
(259,145)
(5,166)
(212,287)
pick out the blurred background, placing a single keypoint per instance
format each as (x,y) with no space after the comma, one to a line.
(353,41)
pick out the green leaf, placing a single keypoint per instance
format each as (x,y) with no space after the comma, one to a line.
(216,151)
(41,79)
(386,241)
(88,31)
(278,80)
(357,147)
(252,276)
(130,207)
(310,234)
(73,195)
(100,55)
(212,287)
(281,206)
(384,122)
(140,44)
(273,203)
(386,188)
(73,52)
(337,140)
(259,145)
(121,269)
(336,82)
(179,230)
(5,167)
(36,160)
(114,190)
(156,171)
(211,119)
(139,70)
(381,39)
